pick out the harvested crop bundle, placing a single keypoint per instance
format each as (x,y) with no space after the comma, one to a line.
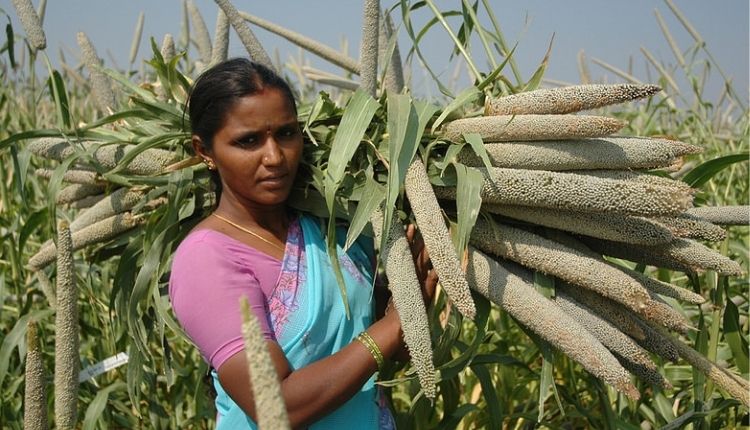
(567,99)
(680,254)
(622,318)
(100,231)
(505,128)
(75,192)
(639,177)
(723,215)
(722,377)
(577,192)
(121,200)
(612,226)
(546,319)
(581,154)
(429,218)
(86,202)
(625,348)
(665,289)
(407,298)
(691,226)
(549,257)
(148,162)
(74,176)
(368,53)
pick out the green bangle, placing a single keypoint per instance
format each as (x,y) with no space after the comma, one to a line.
(366,340)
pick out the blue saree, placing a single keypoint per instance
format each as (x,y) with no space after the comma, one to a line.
(309,321)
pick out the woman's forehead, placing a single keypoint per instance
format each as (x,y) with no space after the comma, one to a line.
(266,108)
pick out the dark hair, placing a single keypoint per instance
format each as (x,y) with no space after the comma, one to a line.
(218,88)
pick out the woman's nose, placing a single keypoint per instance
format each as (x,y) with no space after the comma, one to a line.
(272,154)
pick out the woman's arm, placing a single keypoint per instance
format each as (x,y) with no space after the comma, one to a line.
(318,388)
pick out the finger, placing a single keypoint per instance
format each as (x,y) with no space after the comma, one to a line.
(430,284)
(411,230)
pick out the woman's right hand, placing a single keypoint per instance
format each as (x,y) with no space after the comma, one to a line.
(426,274)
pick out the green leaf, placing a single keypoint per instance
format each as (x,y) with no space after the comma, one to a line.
(469,95)
(150,143)
(456,41)
(546,382)
(477,144)
(373,195)
(468,202)
(96,407)
(55,181)
(699,379)
(31,134)
(402,129)
(59,96)
(354,123)
(19,173)
(17,338)
(735,337)
(536,79)
(33,222)
(135,375)
(10,45)
(357,117)
(705,171)
(406,10)
(682,420)
(495,73)
(489,392)
(452,421)
(663,406)
(406,123)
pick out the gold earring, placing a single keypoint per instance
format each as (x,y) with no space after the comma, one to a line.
(210,164)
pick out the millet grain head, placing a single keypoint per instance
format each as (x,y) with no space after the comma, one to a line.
(546,319)
(567,99)
(577,192)
(264,381)
(437,240)
(407,298)
(579,154)
(504,128)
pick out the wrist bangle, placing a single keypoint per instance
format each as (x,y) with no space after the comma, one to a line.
(366,340)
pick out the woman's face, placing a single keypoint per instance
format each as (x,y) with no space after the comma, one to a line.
(258,149)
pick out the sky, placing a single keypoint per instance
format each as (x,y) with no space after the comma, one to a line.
(611,31)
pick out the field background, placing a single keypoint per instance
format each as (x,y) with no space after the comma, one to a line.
(705,103)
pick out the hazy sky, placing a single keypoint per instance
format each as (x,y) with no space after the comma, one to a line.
(611,31)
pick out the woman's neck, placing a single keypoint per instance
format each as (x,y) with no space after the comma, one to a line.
(274,219)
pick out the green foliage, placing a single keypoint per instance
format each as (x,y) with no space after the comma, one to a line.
(492,373)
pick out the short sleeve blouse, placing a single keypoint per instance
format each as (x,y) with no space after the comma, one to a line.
(210,272)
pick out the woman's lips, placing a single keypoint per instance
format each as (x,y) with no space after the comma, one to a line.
(275,180)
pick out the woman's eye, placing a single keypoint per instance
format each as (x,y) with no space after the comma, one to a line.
(288,132)
(247,141)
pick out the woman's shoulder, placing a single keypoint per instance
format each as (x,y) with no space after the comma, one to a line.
(204,243)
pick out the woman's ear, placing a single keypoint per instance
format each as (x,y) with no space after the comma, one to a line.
(201,151)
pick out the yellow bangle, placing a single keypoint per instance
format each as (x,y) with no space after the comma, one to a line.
(366,340)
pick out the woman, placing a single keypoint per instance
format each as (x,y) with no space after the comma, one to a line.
(245,128)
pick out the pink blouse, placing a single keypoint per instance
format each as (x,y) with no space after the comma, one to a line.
(210,272)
